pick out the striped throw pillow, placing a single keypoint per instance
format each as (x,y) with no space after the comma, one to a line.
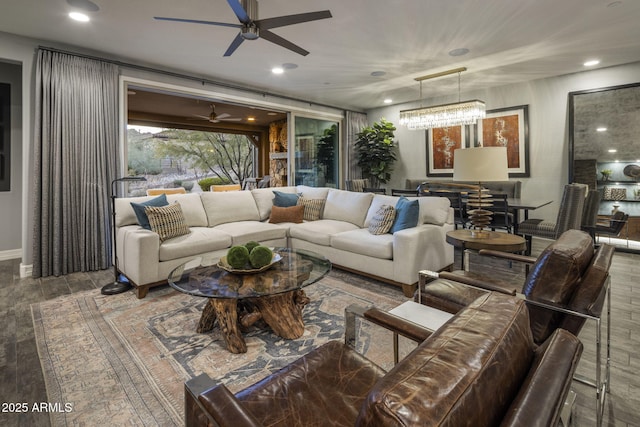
(168,221)
(312,208)
(382,220)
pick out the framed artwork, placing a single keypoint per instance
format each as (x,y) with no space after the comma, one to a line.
(508,127)
(441,143)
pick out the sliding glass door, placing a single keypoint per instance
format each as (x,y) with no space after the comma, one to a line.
(315,155)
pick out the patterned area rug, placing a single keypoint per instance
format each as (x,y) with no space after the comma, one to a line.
(118,360)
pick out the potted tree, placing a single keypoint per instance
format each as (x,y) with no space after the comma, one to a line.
(376,152)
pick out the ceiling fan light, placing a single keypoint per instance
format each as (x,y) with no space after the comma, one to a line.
(250,32)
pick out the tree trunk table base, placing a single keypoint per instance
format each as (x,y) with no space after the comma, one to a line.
(282,312)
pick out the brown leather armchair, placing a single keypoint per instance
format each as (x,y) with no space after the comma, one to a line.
(567,285)
(481,368)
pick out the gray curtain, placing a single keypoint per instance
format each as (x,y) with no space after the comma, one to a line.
(354,123)
(75,159)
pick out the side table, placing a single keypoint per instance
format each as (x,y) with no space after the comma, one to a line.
(497,241)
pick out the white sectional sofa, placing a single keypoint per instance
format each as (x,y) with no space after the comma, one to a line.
(218,220)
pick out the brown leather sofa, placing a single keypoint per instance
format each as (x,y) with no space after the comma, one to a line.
(481,368)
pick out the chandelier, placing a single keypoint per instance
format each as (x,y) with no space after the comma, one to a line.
(456,114)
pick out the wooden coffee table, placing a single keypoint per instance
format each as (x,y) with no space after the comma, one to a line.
(494,240)
(237,301)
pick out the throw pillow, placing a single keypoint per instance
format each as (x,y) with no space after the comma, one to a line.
(288,214)
(139,209)
(382,220)
(168,221)
(284,200)
(312,208)
(407,214)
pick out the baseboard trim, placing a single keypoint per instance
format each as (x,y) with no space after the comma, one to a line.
(10,254)
(26,270)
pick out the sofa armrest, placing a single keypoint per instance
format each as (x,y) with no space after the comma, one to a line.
(138,252)
(214,405)
(419,248)
(541,397)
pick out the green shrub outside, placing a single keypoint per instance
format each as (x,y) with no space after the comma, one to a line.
(206,183)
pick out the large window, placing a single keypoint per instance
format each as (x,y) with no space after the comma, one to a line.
(182,158)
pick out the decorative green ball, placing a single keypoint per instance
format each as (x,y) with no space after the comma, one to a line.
(237,256)
(250,245)
(260,256)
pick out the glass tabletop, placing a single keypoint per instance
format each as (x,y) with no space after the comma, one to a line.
(297,269)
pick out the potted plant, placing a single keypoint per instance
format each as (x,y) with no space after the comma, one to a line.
(376,152)
(606,174)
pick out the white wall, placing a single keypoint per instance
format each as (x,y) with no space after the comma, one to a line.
(548,129)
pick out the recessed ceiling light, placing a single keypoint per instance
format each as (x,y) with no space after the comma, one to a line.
(612,150)
(251,119)
(271,113)
(86,5)
(459,52)
(80,17)
(378,73)
(289,66)
(277,70)
(591,63)
(388,101)
(601,129)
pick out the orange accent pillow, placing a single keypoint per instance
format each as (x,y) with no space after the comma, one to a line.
(288,214)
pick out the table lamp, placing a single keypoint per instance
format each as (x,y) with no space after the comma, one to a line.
(117,286)
(480,164)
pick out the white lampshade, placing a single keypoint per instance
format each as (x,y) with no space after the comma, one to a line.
(480,164)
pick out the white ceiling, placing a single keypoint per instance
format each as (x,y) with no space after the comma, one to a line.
(508,40)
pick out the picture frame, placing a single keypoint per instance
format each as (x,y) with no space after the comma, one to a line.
(441,143)
(508,127)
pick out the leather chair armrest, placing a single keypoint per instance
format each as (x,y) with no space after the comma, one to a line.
(481,282)
(508,256)
(217,405)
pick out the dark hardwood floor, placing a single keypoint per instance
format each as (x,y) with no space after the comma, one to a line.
(21,379)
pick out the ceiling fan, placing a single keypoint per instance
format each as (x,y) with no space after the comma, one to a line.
(252,28)
(217,118)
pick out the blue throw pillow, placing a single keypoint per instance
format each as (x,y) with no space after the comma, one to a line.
(138,208)
(284,200)
(407,214)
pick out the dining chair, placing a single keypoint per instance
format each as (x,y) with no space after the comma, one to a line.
(225,187)
(502,217)
(569,217)
(374,190)
(357,184)
(158,191)
(402,192)
(613,227)
(265,182)
(590,213)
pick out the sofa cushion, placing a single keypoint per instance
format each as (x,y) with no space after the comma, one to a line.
(168,221)
(264,199)
(192,208)
(320,232)
(200,241)
(486,350)
(383,220)
(284,200)
(407,214)
(313,208)
(293,214)
(433,210)
(377,201)
(347,206)
(312,192)
(229,206)
(141,214)
(362,242)
(242,232)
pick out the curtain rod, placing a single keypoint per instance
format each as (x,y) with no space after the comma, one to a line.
(189,77)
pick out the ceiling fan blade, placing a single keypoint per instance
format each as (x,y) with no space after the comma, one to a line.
(274,38)
(234,45)
(239,11)
(199,117)
(231,119)
(281,21)
(223,115)
(196,21)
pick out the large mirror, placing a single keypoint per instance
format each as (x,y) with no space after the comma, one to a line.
(604,142)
